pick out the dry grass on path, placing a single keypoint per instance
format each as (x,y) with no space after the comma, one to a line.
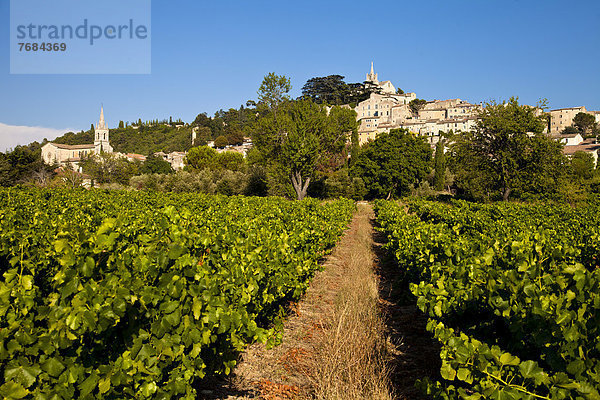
(334,346)
(351,358)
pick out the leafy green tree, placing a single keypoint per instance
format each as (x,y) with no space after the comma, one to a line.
(440,166)
(21,164)
(300,150)
(202,120)
(121,125)
(504,151)
(156,165)
(393,163)
(221,142)
(370,87)
(416,105)
(341,136)
(274,90)
(582,164)
(334,91)
(109,168)
(297,140)
(203,135)
(569,130)
(584,122)
(200,157)
(230,160)
(399,91)
(235,137)
(76,138)
(545,167)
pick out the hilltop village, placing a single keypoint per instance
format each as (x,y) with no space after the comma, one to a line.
(389,109)
(386,108)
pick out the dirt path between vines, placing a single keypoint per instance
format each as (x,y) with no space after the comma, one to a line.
(348,338)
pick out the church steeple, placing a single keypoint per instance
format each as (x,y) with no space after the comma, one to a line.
(372,76)
(101,139)
(101,123)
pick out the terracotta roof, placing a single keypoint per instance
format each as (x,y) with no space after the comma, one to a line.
(72,146)
(567,108)
(564,136)
(464,105)
(136,156)
(588,148)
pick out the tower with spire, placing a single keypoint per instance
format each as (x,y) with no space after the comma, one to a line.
(101,143)
(372,76)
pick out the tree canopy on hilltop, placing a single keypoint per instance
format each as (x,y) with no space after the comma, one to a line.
(333,90)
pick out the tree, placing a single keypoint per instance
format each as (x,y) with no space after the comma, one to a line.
(393,163)
(440,166)
(416,105)
(20,164)
(156,165)
(298,139)
(584,122)
(274,90)
(235,136)
(70,177)
(504,151)
(221,142)
(121,125)
(202,120)
(109,168)
(569,130)
(203,135)
(230,160)
(399,91)
(341,137)
(42,176)
(200,157)
(582,165)
(300,150)
(328,89)
(333,90)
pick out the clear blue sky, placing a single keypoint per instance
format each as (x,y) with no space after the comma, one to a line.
(212,55)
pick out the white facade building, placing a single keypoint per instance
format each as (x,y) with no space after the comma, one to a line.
(61,154)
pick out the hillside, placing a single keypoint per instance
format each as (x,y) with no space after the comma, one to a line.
(144,140)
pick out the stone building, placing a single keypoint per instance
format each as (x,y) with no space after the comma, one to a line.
(61,154)
(388,110)
(563,117)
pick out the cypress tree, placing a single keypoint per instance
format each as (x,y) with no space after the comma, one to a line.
(440,166)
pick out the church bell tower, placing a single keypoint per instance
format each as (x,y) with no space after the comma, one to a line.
(372,77)
(101,143)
